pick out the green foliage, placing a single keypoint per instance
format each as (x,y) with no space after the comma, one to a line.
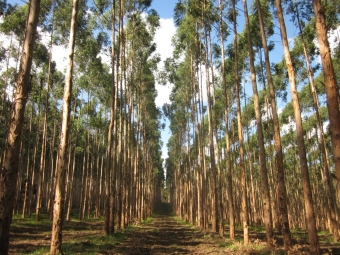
(15,20)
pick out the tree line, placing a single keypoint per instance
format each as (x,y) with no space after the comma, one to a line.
(84,141)
(235,158)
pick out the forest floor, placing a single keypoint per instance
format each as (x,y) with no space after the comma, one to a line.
(162,233)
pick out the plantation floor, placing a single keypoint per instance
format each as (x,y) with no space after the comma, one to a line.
(161,234)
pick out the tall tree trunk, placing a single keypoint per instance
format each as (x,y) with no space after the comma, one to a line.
(43,142)
(321,142)
(331,89)
(226,113)
(110,148)
(10,166)
(282,193)
(28,172)
(58,208)
(212,170)
(244,207)
(310,216)
(260,139)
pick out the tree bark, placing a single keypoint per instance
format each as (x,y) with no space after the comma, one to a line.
(58,208)
(331,89)
(260,139)
(282,192)
(110,147)
(10,166)
(244,207)
(309,210)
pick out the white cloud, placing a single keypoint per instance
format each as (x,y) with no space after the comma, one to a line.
(333,39)
(163,38)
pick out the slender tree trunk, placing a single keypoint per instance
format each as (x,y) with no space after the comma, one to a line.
(244,207)
(260,139)
(10,166)
(282,193)
(212,169)
(43,143)
(58,208)
(226,113)
(322,144)
(331,89)
(28,173)
(110,147)
(310,216)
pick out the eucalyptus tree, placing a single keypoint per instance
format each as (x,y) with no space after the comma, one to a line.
(110,179)
(13,26)
(277,137)
(106,11)
(244,207)
(223,35)
(332,91)
(9,168)
(92,79)
(58,208)
(186,87)
(260,138)
(207,8)
(308,35)
(309,210)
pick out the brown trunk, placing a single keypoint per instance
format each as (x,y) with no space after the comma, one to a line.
(58,208)
(10,166)
(43,143)
(244,207)
(322,144)
(309,210)
(226,113)
(331,89)
(110,148)
(28,173)
(282,193)
(260,139)
(212,169)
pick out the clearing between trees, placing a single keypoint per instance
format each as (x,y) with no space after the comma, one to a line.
(163,233)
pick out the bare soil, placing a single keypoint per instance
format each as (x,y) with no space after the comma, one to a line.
(165,234)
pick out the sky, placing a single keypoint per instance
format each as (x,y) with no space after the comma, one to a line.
(163,40)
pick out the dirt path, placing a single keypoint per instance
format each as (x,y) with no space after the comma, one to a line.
(165,235)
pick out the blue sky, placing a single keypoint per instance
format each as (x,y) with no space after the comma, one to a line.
(164,7)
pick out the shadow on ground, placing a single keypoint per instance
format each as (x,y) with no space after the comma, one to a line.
(164,235)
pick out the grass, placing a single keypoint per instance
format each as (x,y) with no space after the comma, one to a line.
(147,221)
(92,244)
(30,221)
(182,221)
(87,244)
(259,229)
(41,251)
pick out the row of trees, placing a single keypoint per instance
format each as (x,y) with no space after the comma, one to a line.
(244,162)
(82,141)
